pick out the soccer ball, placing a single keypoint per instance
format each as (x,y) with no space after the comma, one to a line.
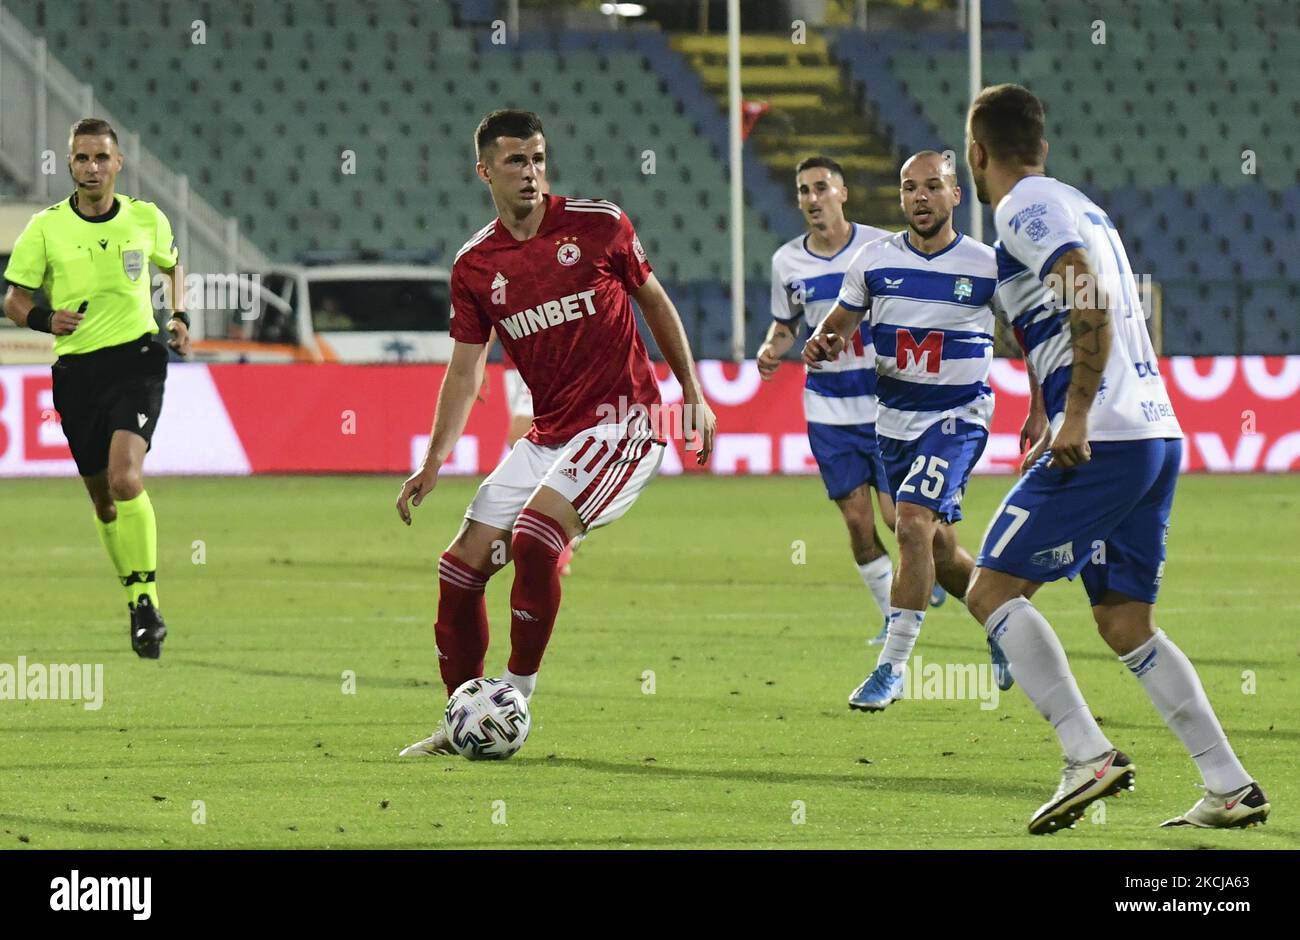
(487,719)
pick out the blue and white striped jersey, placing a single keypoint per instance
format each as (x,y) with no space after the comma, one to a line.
(805,286)
(932,327)
(1038,221)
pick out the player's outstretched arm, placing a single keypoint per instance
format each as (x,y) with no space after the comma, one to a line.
(455,399)
(776,344)
(1090,336)
(20,304)
(666,326)
(831,337)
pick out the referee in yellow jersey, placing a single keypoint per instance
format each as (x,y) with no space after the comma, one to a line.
(90,255)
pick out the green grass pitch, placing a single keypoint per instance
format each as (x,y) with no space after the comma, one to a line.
(745,742)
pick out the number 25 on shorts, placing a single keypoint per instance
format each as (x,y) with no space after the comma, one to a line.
(932,484)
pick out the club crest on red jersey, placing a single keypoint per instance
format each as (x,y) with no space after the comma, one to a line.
(567,251)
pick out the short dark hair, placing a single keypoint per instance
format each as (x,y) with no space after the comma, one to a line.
(505,122)
(93,127)
(1008,121)
(812,163)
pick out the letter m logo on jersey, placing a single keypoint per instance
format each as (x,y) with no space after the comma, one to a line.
(919,357)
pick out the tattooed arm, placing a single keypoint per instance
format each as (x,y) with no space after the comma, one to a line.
(1090,335)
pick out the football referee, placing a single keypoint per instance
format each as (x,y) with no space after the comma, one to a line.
(90,254)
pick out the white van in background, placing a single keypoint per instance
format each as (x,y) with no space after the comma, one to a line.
(345,312)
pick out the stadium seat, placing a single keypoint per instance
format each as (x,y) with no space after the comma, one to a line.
(1152,125)
(1272,318)
(602,103)
(1177,108)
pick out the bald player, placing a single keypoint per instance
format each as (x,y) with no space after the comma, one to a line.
(926,293)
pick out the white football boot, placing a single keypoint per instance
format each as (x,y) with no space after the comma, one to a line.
(435,744)
(1239,809)
(1082,782)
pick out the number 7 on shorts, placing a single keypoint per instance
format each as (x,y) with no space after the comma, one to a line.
(1018,517)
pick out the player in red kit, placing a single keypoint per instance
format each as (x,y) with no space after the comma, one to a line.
(554,277)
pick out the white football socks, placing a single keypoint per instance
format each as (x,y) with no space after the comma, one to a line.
(904,628)
(1041,669)
(524,684)
(878,576)
(1170,680)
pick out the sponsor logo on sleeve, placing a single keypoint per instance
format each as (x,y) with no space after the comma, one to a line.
(1028,213)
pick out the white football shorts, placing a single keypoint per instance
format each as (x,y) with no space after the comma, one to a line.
(602,471)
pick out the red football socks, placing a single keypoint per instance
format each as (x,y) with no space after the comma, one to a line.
(461,631)
(535,598)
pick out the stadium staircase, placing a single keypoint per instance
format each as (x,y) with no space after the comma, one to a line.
(261,127)
(811,112)
(1152,124)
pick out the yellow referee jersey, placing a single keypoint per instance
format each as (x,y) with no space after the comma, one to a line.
(102,261)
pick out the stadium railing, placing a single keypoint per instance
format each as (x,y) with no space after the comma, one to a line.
(42,99)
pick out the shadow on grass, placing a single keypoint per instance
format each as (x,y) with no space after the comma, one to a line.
(1100,656)
(1234,734)
(948,786)
(506,842)
(69,825)
(379,681)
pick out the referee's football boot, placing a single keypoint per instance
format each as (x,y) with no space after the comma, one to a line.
(1083,782)
(147,628)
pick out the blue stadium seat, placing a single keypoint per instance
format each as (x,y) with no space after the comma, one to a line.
(1272,319)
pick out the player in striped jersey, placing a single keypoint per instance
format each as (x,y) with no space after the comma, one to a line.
(928,291)
(1096,500)
(839,400)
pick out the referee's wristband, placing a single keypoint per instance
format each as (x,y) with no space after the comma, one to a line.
(40,319)
(182,316)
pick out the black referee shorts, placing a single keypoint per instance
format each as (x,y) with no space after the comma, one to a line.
(110,389)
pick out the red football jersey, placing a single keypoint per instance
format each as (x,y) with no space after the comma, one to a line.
(560,304)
